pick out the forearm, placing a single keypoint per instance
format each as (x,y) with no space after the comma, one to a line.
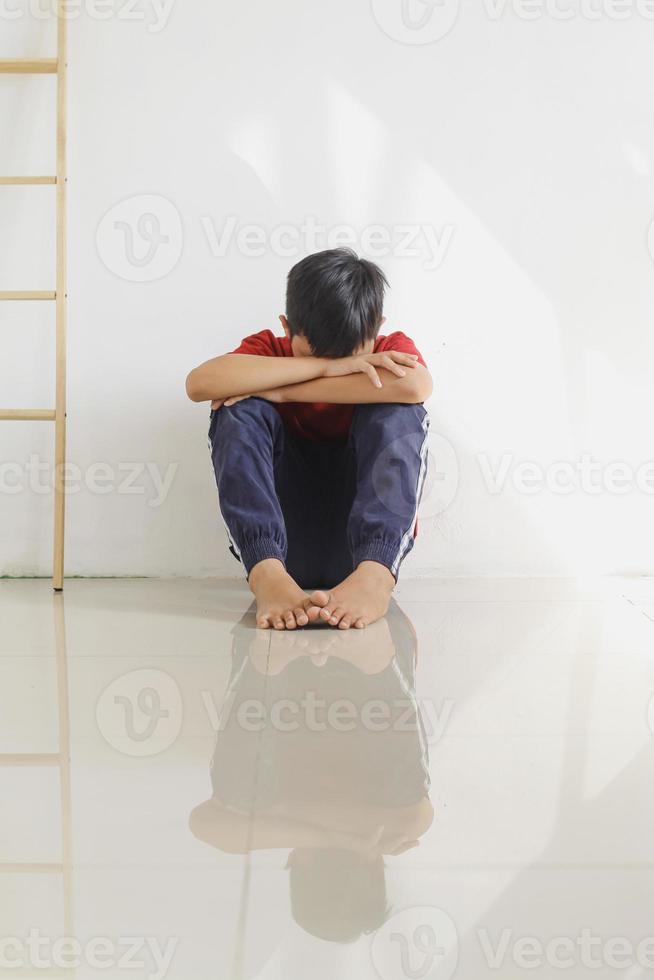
(246,374)
(237,834)
(356,389)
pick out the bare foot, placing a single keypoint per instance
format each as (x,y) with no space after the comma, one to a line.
(281,603)
(360,600)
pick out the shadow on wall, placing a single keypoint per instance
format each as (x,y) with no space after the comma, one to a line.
(522,169)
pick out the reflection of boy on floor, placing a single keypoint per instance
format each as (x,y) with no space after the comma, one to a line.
(318,441)
(337,797)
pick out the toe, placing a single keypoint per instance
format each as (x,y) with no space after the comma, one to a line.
(360,624)
(336,617)
(289,620)
(345,622)
(313,613)
(325,614)
(301,617)
(278,622)
(319,598)
(262,623)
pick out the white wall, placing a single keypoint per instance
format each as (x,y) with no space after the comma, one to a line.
(523,146)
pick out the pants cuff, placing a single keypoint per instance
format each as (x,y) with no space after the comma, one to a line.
(255,551)
(383,552)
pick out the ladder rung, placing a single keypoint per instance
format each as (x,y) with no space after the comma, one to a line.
(15,181)
(28,66)
(14,294)
(30,759)
(31,869)
(27,415)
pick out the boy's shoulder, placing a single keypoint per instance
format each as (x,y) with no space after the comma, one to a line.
(265,344)
(398,341)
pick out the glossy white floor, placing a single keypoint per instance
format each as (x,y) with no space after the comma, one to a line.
(463,790)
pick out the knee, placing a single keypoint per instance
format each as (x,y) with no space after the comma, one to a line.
(397,419)
(249,415)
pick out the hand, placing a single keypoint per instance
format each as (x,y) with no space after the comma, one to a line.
(368,846)
(393,360)
(274,395)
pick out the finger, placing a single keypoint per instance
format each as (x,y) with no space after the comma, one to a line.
(410,360)
(393,367)
(372,374)
(301,617)
(289,620)
(236,398)
(216,404)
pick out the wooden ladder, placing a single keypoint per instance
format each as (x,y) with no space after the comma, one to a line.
(60,760)
(50,66)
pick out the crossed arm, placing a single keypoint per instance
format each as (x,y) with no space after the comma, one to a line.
(389,376)
(362,828)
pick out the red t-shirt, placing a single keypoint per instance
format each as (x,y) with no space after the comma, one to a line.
(317,420)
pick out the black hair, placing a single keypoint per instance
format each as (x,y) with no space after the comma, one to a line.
(335,300)
(337,895)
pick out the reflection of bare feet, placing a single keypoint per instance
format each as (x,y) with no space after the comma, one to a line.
(359,601)
(370,650)
(281,603)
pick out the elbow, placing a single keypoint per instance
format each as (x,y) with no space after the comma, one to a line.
(420,386)
(193,388)
(197,821)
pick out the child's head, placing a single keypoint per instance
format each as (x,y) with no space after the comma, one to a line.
(334,304)
(337,895)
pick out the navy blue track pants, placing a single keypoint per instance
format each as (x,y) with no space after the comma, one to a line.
(321,508)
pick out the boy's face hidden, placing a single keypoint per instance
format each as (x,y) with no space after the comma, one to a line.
(301,348)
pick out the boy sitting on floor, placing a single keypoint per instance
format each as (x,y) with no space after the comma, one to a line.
(319,445)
